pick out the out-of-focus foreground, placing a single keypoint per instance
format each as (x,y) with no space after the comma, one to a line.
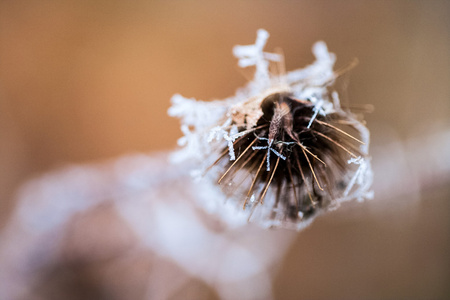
(82,81)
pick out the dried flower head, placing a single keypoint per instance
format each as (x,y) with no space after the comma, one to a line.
(282,149)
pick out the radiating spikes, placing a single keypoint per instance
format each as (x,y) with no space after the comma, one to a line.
(327,182)
(312,170)
(240,156)
(336,143)
(231,176)
(254,180)
(312,154)
(245,162)
(251,212)
(270,180)
(256,176)
(298,137)
(303,177)
(340,130)
(222,155)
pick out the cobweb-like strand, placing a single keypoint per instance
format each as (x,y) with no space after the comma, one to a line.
(31,239)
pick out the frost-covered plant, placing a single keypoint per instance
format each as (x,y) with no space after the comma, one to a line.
(282,149)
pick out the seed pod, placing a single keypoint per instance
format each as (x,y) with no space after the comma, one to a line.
(282,150)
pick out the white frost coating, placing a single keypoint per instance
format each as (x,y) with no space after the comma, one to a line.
(253,55)
(212,124)
(269,148)
(218,133)
(319,72)
(317,108)
(200,116)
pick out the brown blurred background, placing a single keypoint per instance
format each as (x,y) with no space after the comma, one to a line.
(82,81)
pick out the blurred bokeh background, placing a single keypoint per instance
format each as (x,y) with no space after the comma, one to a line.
(83,81)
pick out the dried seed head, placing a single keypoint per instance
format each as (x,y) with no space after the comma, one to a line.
(292,151)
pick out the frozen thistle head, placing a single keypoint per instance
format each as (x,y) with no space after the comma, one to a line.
(282,149)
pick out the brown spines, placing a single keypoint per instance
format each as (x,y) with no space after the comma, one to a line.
(306,167)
